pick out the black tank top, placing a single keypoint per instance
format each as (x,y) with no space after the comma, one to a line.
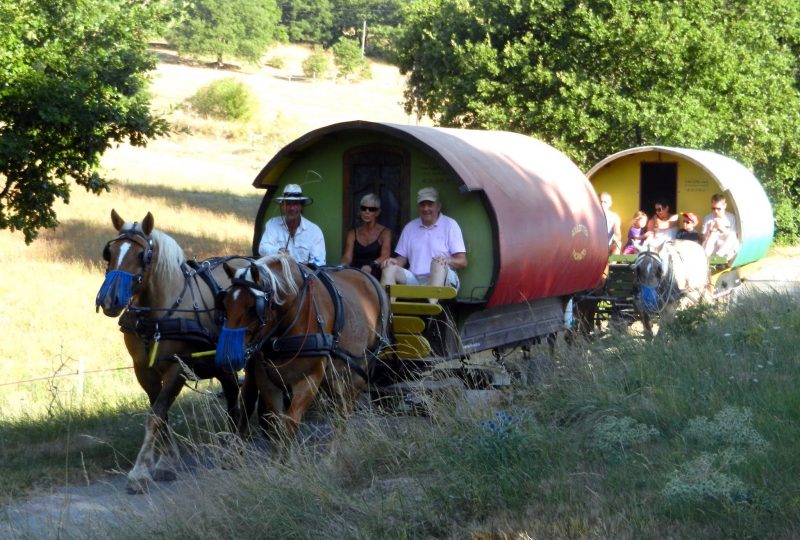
(364,255)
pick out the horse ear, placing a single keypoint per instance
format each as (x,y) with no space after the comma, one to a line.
(147,224)
(116,220)
(229,270)
(254,273)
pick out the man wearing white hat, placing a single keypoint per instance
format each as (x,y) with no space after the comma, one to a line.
(431,244)
(291,232)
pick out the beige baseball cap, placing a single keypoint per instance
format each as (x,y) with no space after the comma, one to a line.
(427,194)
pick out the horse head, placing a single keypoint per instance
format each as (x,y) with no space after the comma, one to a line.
(650,271)
(128,257)
(250,304)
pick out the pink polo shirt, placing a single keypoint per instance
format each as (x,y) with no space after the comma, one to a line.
(420,244)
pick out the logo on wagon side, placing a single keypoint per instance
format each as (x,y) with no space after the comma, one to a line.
(579,230)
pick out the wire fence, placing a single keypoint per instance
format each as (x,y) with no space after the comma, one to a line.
(79,373)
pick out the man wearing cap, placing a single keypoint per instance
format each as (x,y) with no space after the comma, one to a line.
(687,231)
(291,232)
(431,244)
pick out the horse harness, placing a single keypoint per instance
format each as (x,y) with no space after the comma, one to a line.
(666,292)
(152,330)
(306,344)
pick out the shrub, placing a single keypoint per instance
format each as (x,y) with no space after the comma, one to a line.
(225,99)
(347,57)
(278,62)
(612,436)
(315,65)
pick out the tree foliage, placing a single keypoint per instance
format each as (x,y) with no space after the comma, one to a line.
(347,57)
(72,83)
(244,29)
(598,76)
(307,20)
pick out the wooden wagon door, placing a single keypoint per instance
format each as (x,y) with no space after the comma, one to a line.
(384,171)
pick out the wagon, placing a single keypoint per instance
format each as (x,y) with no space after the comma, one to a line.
(636,178)
(533,228)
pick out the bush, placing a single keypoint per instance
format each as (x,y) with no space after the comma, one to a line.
(787,221)
(347,57)
(315,65)
(225,99)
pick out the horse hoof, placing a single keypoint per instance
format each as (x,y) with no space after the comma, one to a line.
(138,486)
(164,475)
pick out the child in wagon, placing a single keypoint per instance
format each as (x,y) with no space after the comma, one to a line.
(687,231)
(636,233)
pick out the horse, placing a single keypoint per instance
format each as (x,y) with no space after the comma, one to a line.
(300,329)
(674,274)
(169,314)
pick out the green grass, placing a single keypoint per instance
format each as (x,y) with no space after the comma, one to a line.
(693,435)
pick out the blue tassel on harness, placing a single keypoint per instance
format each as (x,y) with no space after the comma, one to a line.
(230,349)
(119,286)
(650,298)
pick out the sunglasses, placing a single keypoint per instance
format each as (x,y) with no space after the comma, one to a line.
(369,208)
(659,208)
(717,208)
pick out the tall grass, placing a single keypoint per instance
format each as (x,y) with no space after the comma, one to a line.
(692,435)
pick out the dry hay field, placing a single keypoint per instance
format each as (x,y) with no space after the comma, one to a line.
(197,184)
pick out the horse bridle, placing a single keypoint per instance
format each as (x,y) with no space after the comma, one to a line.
(139,238)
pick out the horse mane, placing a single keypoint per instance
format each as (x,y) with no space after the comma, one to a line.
(168,256)
(282,282)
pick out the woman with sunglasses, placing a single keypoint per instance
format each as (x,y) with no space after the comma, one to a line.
(663,226)
(369,244)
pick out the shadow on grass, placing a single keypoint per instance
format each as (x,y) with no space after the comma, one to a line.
(84,242)
(223,203)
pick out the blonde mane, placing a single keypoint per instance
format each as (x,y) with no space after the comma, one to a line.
(281,282)
(168,255)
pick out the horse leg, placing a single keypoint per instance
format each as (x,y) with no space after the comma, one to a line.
(303,393)
(230,388)
(157,434)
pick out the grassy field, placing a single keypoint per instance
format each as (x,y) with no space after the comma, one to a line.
(59,356)
(693,435)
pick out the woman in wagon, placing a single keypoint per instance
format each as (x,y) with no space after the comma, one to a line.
(663,226)
(431,244)
(369,244)
(291,232)
(719,230)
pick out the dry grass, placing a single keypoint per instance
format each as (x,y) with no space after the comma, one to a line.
(197,184)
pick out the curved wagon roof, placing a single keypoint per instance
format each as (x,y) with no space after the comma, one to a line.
(549,229)
(744,191)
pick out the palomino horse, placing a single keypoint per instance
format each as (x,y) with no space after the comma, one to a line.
(673,274)
(303,328)
(169,310)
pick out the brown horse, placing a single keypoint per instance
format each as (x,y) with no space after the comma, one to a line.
(675,274)
(301,329)
(169,308)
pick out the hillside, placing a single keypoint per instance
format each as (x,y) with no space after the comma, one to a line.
(220,154)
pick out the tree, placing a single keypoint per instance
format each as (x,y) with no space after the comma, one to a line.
(347,57)
(244,29)
(72,83)
(307,20)
(598,76)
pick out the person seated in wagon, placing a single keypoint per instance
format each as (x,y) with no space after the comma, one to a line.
(291,232)
(431,244)
(719,230)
